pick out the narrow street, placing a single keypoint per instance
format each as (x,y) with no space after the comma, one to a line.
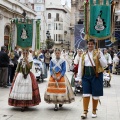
(108,110)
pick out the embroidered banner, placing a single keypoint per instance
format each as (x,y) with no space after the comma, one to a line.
(100,21)
(79,34)
(24,35)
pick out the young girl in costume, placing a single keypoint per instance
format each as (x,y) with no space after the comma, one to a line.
(24,91)
(58,90)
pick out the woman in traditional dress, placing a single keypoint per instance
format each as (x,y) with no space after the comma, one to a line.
(24,91)
(58,90)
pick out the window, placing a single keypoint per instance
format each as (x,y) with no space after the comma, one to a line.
(49,15)
(56,37)
(59,37)
(60,26)
(38,8)
(57,16)
(49,26)
(56,26)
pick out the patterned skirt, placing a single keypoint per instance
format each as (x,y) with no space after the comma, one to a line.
(26,103)
(59,92)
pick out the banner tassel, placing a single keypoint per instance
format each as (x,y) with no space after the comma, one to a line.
(86,37)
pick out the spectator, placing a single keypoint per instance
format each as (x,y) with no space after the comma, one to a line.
(111,52)
(109,60)
(4,62)
(14,59)
(47,59)
(115,63)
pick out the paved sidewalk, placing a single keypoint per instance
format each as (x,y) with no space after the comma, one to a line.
(108,110)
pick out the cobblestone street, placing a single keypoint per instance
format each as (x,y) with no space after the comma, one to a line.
(108,110)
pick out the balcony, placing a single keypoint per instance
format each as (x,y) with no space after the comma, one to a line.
(58,20)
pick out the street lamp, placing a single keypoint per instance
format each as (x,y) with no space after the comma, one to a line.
(48,35)
(24,14)
(49,41)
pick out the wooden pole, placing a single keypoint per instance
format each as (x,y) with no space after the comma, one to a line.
(97,60)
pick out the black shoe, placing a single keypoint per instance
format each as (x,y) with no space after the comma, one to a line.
(5,86)
(83,116)
(1,85)
(9,84)
(60,105)
(56,109)
(22,109)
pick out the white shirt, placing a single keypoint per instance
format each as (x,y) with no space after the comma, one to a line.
(102,60)
(108,58)
(77,59)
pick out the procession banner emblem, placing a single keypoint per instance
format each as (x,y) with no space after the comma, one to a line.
(100,21)
(24,35)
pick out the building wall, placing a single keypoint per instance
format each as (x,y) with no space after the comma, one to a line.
(76,15)
(11,9)
(59,29)
(39,7)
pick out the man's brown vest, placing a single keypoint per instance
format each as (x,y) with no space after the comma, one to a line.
(99,68)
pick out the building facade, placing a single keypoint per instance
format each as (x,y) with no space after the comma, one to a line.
(58,22)
(11,9)
(77,16)
(39,7)
(55,18)
(117,24)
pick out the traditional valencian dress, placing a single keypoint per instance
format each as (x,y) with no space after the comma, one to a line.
(24,91)
(58,92)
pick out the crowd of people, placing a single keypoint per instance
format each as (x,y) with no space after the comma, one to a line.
(18,71)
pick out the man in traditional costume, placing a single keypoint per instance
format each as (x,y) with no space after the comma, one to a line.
(24,91)
(58,90)
(90,73)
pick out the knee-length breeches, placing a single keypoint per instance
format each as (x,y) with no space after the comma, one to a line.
(93,85)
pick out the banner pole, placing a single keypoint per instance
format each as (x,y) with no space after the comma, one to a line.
(97,60)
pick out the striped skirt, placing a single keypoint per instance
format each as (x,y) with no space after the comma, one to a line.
(59,92)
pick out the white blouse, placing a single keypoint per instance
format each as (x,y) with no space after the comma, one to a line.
(102,60)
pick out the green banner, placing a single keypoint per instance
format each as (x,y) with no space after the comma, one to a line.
(100,21)
(24,35)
